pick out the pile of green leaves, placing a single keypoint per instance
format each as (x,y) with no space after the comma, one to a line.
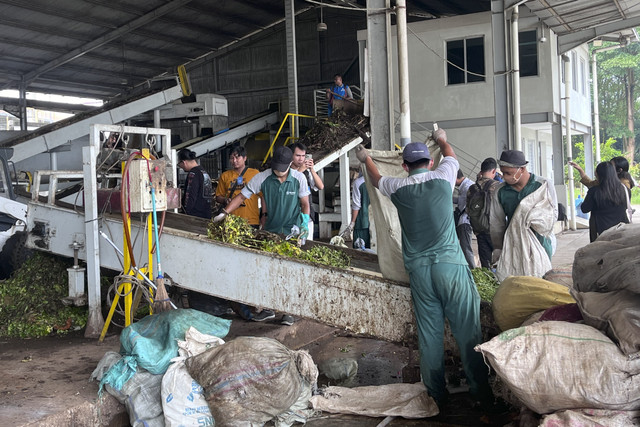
(486,282)
(237,231)
(31,300)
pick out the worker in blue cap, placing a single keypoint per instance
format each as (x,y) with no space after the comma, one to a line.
(441,282)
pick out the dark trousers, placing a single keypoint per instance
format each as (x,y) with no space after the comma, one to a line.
(485,249)
(465,233)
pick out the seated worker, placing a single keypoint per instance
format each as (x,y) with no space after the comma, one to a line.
(198,191)
(337,91)
(303,163)
(286,195)
(233,181)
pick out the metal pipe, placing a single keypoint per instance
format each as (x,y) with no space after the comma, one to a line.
(515,61)
(567,123)
(596,109)
(146,279)
(403,72)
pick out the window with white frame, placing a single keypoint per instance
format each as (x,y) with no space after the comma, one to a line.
(465,61)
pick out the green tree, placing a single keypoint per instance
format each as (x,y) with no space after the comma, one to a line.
(607,152)
(618,71)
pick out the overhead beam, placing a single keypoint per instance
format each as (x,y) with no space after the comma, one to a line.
(177,24)
(119,32)
(567,42)
(55,49)
(58,32)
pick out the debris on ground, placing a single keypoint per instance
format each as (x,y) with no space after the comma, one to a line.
(330,134)
(31,300)
(237,231)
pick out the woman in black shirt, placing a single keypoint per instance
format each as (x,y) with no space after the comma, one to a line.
(606,201)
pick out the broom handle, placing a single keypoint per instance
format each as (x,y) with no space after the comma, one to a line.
(155,229)
(146,279)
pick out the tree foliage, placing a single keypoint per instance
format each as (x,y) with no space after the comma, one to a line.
(607,152)
(618,72)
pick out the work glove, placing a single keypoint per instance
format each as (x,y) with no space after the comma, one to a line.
(439,134)
(221,216)
(346,231)
(495,256)
(361,153)
(304,228)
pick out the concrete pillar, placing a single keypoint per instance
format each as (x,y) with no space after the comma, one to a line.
(378,47)
(501,100)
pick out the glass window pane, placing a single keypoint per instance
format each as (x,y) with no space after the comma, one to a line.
(528,53)
(475,59)
(455,55)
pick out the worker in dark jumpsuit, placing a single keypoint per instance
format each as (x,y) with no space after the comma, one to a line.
(441,282)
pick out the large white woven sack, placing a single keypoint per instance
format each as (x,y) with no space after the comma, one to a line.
(551,366)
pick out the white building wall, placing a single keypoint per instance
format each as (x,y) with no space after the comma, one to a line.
(469,109)
(580,95)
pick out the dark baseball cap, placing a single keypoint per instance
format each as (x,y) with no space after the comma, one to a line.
(415,151)
(282,157)
(512,159)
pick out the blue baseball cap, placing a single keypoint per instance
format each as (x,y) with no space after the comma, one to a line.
(415,151)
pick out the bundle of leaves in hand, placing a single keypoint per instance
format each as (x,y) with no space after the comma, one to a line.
(486,282)
(31,300)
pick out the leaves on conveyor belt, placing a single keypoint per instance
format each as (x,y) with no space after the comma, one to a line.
(237,231)
(332,133)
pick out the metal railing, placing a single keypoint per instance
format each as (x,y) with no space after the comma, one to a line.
(289,138)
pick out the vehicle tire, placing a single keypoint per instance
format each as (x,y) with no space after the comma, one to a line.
(14,254)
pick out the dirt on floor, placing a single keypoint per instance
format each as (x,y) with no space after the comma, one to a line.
(44,381)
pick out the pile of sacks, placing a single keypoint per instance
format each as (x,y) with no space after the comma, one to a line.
(571,350)
(200,380)
(174,369)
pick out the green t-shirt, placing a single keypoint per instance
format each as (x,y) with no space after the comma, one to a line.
(282,199)
(423,200)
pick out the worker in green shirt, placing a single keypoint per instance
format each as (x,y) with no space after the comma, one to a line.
(523,212)
(441,282)
(286,204)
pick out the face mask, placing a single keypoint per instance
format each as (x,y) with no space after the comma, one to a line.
(518,178)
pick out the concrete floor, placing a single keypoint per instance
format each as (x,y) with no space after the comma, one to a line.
(45,382)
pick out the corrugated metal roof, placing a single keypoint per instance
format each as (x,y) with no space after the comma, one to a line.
(105,48)
(580,21)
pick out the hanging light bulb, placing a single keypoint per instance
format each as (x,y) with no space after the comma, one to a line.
(321,25)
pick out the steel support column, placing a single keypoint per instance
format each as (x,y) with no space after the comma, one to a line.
(292,61)
(95,322)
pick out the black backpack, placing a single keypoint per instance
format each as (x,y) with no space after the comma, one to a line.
(478,206)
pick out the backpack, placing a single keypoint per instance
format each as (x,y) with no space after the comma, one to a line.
(478,206)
